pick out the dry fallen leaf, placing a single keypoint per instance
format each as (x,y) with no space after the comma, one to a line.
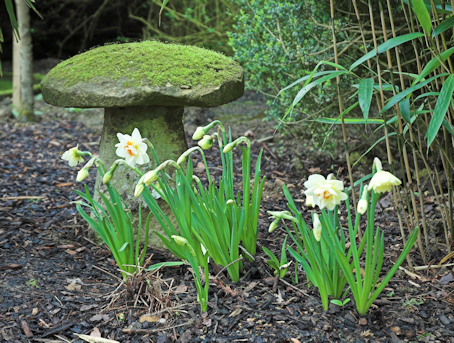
(73,287)
(396,330)
(235,313)
(148,318)
(95,333)
(92,339)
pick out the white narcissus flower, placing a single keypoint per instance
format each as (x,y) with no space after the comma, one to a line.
(132,149)
(317,228)
(382,181)
(362,206)
(310,201)
(72,156)
(325,193)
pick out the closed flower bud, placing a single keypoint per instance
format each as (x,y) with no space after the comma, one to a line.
(199,133)
(182,242)
(181,159)
(107,176)
(150,177)
(377,164)
(139,189)
(273,225)
(317,228)
(206,142)
(362,206)
(382,181)
(229,147)
(230,202)
(82,174)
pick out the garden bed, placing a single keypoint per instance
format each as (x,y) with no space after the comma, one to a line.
(55,282)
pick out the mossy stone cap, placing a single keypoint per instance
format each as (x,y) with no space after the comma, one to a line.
(144,74)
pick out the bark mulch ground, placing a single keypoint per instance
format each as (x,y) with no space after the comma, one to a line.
(55,282)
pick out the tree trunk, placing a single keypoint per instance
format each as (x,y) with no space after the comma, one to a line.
(23,65)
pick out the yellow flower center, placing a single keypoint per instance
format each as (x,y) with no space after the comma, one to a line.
(326,195)
(129,146)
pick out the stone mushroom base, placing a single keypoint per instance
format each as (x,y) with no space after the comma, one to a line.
(163,126)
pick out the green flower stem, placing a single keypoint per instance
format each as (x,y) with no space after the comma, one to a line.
(197,148)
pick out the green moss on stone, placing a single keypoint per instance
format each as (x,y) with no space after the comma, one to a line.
(148,63)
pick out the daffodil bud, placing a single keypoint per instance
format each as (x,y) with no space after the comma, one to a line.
(82,174)
(317,228)
(273,225)
(206,142)
(107,176)
(150,177)
(377,164)
(382,181)
(199,133)
(182,242)
(362,206)
(310,201)
(139,189)
(204,250)
(230,202)
(229,147)
(285,266)
(182,159)
(282,215)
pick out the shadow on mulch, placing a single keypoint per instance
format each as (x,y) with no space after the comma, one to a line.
(55,282)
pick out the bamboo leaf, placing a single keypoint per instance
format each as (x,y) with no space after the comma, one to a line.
(444,99)
(355,121)
(446,25)
(311,85)
(12,17)
(398,97)
(404,107)
(389,44)
(433,64)
(423,15)
(446,9)
(164,3)
(448,127)
(366,87)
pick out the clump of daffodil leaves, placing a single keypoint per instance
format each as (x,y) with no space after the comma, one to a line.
(322,251)
(212,221)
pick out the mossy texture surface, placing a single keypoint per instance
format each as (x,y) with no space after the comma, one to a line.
(145,73)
